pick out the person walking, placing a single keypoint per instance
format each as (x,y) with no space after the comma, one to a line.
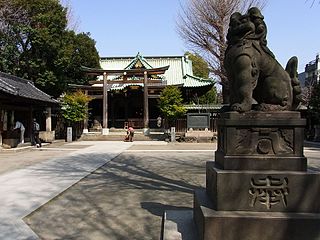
(35,133)
(20,126)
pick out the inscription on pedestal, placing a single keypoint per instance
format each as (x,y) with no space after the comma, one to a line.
(261,141)
(269,191)
(264,141)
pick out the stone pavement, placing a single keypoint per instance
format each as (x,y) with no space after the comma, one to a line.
(78,193)
(24,190)
(126,197)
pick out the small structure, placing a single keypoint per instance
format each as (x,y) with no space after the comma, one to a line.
(198,126)
(197,121)
(21,100)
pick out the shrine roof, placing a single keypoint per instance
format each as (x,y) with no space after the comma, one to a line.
(139,62)
(193,81)
(22,88)
(179,71)
(128,72)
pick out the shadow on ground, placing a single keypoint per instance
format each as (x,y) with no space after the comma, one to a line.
(124,199)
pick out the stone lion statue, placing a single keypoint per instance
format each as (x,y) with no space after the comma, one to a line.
(255,76)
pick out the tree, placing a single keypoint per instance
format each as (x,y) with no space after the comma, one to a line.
(12,20)
(170,103)
(73,22)
(74,106)
(77,50)
(210,97)
(312,2)
(314,104)
(200,67)
(42,47)
(203,24)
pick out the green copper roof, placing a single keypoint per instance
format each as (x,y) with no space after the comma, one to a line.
(138,62)
(179,72)
(193,81)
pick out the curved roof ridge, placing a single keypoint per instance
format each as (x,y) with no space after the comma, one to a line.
(200,78)
(137,58)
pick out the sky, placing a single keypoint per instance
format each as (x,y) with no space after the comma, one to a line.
(126,27)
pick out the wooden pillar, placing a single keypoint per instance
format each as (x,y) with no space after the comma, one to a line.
(125,94)
(48,120)
(146,103)
(5,120)
(85,121)
(12,120)
(30,123)
(105,105)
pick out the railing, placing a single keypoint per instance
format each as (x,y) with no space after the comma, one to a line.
(138,123)
(134,122)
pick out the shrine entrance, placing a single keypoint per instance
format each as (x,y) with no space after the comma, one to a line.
(123,99)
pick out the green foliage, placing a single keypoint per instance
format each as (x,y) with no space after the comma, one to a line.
(209,97)
(199,65)
(74,106)
(314,104)
(170,103)
(38,46)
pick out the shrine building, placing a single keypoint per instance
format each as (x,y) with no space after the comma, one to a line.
(21,100)
(127,89)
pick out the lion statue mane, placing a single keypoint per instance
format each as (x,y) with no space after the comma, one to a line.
(255,76)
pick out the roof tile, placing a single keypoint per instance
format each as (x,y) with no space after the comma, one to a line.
(23,88)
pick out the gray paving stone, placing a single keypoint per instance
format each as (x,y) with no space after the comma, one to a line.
(23,191)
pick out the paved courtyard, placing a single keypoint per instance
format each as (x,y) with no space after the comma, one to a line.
(101,190)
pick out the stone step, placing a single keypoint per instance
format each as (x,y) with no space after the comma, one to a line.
(121,137)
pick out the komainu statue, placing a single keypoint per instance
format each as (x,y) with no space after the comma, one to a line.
(255,76)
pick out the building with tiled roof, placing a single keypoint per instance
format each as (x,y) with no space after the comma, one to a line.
(21,88)
(21,100)
(179,72)
(124,101)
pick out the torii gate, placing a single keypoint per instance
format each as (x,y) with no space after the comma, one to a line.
(125,74)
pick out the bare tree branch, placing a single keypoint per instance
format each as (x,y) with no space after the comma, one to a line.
(11,15)
(312,2)
(203,25)
(73,22)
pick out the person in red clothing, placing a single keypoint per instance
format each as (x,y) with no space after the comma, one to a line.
(130,134)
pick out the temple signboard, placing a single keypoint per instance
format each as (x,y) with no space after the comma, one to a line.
(198,120)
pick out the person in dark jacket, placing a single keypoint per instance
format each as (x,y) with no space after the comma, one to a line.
(35,133)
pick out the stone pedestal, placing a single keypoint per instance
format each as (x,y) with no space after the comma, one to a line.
(105,131)
(261,141)
(250,225)
(146,131)
(259,187)
(10,142)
